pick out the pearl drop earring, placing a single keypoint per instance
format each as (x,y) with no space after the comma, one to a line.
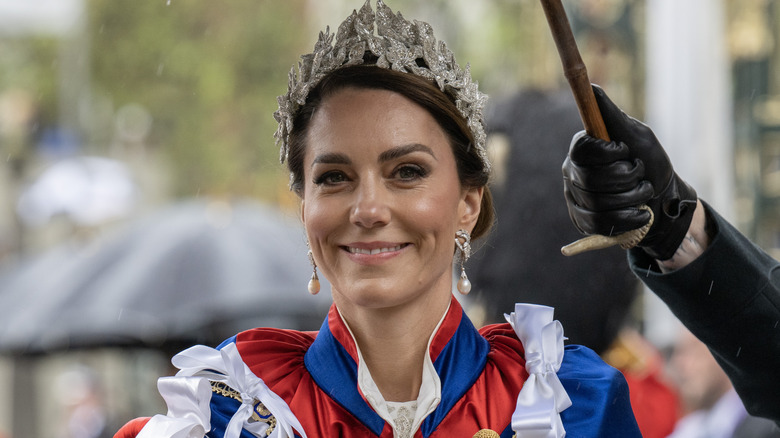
(463,241)
(314,283)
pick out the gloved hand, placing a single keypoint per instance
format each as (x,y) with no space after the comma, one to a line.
(605,183)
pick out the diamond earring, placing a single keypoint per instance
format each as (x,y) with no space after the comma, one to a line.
(314,283)
(463,241)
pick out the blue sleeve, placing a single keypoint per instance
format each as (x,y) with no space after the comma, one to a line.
(599,395)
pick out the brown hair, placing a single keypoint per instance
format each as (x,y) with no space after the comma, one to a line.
(471,169)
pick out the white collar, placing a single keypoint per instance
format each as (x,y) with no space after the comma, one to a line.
(428,397)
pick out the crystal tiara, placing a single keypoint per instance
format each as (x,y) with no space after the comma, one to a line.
(398,45)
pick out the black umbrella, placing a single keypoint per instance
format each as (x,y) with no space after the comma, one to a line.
(197,271)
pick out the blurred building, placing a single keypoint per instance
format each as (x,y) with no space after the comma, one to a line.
(754,47)
(704,73)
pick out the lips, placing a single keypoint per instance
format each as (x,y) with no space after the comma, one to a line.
(374,250)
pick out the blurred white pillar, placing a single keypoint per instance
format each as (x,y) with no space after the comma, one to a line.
(689,108)
(689,93)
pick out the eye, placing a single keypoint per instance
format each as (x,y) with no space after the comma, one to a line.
(410,172)
(330,178)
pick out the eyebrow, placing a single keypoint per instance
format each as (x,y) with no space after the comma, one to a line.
(399,151)
(388,155)
(331,158)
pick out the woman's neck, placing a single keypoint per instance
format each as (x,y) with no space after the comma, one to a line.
(393,343)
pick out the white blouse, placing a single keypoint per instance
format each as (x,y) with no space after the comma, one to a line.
(404,417)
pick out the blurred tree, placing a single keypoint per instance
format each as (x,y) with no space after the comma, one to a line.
(28,95)
(209,74)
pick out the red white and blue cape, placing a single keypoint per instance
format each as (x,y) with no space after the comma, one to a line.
(305,384)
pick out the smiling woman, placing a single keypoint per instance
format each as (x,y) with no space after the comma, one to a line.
(392,187)
(384,139)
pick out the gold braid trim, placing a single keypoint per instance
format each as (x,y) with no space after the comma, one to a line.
(259,412)
(626,240)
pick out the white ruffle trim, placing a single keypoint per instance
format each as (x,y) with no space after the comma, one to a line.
(188,395)
(543,397)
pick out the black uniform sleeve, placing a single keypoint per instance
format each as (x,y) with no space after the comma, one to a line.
(729,297)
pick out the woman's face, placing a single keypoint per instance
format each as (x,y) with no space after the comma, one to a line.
(382,200)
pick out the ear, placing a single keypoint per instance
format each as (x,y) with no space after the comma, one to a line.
(469,208)
(303,216)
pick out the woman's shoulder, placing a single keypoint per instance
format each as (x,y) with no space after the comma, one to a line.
(578,360)
(220,379)
(599,394)
(272,354)
(600,404)
(272,339)
(581,360)
(501,334)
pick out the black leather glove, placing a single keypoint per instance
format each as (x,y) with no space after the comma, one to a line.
(605,183)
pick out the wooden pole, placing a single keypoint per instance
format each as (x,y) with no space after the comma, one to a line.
(574,69)
(575,72)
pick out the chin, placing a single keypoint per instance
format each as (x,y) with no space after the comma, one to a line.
(371,295)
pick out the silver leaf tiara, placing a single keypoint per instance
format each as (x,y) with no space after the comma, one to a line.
(398,45)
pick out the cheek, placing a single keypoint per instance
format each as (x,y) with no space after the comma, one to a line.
(323,219)
(318,220)
(435,213)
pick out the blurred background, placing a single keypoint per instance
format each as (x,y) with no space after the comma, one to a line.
(143,207)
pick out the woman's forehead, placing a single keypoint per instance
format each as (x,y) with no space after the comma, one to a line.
(372,117)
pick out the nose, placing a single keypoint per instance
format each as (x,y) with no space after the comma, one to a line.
(371,204)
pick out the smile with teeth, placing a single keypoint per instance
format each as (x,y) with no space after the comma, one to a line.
(374,251)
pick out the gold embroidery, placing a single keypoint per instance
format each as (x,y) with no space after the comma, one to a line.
(486,433)
(259,411)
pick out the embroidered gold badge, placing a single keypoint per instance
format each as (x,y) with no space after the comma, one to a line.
(486,433)
(259,411)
